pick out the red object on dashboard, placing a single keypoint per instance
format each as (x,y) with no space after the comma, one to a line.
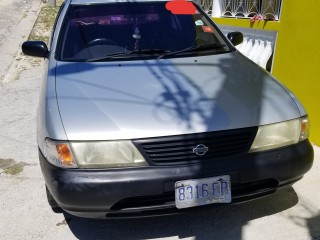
(181,7)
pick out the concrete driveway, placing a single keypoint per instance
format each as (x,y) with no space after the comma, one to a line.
(293,213)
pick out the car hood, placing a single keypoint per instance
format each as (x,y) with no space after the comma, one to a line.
(149,98)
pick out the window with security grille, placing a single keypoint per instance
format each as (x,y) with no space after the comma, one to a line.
(265,9)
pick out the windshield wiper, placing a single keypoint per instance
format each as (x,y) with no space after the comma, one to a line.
(127,53)
(201,47)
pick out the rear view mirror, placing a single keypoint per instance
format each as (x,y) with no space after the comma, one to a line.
(235,38)
(35,49)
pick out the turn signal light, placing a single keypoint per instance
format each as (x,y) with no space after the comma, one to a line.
(65,155)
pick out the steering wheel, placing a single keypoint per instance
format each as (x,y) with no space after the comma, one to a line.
(100,41)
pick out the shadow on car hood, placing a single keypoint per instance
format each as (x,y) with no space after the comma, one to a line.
(137,99)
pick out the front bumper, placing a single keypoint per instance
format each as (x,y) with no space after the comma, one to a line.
(149,190)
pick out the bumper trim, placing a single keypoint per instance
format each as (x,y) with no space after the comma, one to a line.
(94,192)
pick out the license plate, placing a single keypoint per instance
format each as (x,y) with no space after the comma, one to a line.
(197,192)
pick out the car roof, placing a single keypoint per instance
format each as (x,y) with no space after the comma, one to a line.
(85,2)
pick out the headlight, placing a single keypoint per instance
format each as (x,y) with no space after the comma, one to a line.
(280,134)
(106,154)
(59,154)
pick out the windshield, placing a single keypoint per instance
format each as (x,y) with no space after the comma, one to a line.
(141,29)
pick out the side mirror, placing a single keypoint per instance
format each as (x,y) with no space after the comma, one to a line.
(235,38)
(35,49)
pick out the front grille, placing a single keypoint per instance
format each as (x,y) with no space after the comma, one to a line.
(179,149)
(144,201)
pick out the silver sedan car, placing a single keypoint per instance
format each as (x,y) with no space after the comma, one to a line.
(145,110)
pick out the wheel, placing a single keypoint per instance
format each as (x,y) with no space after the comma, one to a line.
(53,204)
(100,41)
